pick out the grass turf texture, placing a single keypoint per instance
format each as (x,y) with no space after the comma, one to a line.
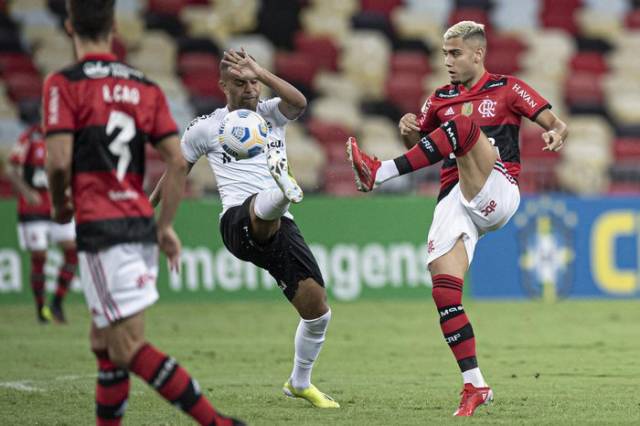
(385,362)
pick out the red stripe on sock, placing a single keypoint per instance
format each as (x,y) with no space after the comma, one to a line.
(112,395)
(454,324)
(465,349)
(175,386)
(146,361)
(108,422)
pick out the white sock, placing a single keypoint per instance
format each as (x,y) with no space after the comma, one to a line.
(308,342)
(270,204)
(474,376)
(388,170)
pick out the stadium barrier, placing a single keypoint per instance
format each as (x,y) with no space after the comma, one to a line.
(373,247)
(563,247)
(369,247)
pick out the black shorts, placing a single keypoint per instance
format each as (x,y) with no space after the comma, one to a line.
(286,255)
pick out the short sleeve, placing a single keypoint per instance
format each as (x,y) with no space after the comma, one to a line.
(524,100)
(163,124)
(194,141)
(58,106)
(427,119)
(270,108)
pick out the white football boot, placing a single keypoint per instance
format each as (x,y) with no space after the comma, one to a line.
(281,172)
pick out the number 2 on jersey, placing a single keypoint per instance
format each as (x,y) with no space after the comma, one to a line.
(120,144)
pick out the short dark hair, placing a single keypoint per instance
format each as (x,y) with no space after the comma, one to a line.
(91,19)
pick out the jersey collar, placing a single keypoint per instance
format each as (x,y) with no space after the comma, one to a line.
(477,86)
(99,57)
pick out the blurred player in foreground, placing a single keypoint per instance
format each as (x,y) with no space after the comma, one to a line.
(98,115)
(36,230)
(255,223)
(472,124)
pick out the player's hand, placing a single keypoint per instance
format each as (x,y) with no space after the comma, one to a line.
(170,245)
(62,214)
(553,141)
(242,65)
(33,198)
(408,124)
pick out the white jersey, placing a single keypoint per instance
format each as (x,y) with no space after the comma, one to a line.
(237,179)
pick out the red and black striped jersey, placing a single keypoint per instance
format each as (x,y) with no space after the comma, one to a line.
(29,154)
(112,110)
(497,104)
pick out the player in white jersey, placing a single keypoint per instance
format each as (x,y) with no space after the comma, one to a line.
(256,193)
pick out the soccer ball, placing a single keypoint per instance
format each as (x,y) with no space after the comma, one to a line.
(243,134)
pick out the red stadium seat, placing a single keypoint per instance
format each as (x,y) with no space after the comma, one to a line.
(338,179)
(410,62)
(11,63)
(627,149)
(505,43)
(203,86)
(405,91)
(166,7)
(560,14)
(502,62)
(25,86)
(198,63)
(538,176)
(296,67)
(384,7)
(328,133)
(590,62)
(322,50)
(632,20)
(583,88)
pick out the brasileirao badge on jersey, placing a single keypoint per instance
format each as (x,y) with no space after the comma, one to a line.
(467,108)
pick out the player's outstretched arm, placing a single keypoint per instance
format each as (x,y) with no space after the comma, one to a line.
(172,187)
(156,194)
(59,151)
(243,66)
(556,130)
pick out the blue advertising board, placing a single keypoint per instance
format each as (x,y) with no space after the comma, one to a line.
(560,246)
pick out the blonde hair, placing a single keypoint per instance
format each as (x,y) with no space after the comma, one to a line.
(466,30)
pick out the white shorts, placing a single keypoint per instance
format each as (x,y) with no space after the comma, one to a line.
(456,217)
(37,235)
(119,281)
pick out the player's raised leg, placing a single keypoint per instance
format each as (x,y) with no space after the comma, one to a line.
(459,136)
(269,205)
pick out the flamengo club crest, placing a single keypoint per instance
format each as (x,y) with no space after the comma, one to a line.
(487,108)
(546,242)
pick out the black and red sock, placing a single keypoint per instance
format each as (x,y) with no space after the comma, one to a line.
(38,279)
(173,382)
(456,136)
(112,391)
(457,330)
(66,274)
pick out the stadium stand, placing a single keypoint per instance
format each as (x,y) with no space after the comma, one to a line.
(362,64)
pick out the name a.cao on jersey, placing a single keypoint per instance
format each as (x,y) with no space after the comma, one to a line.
(119,93)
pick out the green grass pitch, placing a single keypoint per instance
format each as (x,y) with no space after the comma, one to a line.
(574,362)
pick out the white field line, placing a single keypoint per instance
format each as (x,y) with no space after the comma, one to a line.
(30,385)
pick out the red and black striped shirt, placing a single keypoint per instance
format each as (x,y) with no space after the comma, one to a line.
(30,155)
(112,110)
(497,104)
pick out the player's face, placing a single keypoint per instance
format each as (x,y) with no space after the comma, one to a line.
(462,58)
(241,94)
